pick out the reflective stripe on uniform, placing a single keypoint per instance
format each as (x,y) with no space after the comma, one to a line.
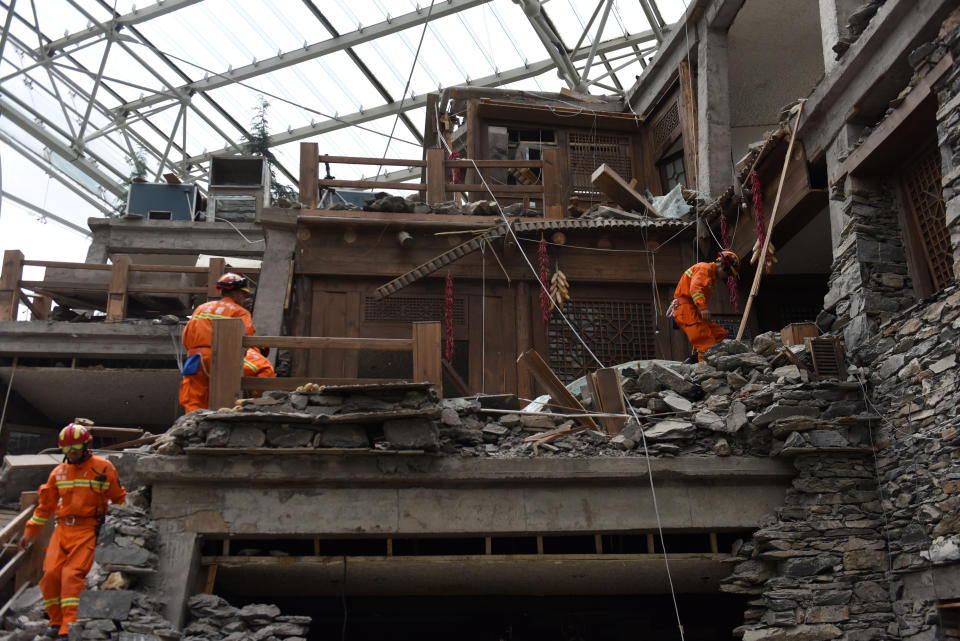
(37,520)
(68,601)
(251,365)
(689,273)
(697,296)
(100,485)
(53,601)
(208,315)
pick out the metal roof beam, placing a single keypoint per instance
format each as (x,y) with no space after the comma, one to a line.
(29,125)
(551,41)
(316,50)
(162,7)
(495,80)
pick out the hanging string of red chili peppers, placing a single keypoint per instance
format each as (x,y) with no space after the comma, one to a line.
(546,305)
(758,215)
(448,319)
(731,280)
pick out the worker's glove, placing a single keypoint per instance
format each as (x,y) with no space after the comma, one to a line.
(705,314)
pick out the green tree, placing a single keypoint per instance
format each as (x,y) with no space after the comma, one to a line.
(258,144)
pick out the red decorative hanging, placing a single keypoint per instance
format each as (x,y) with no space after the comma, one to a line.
(448,319)
(760,218)
(546,305)
(731,280)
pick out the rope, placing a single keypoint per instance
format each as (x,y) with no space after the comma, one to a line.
(416,56)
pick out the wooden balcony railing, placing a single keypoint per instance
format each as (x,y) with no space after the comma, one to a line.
(229,344)
(116,291)
(437,185)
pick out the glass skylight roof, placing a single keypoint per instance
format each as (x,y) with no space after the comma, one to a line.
(177,80)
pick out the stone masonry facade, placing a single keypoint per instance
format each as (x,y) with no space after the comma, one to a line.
(948,134)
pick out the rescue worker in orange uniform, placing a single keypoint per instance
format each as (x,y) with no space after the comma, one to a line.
(255,363)
(197,336)
(692,295)
(77,491)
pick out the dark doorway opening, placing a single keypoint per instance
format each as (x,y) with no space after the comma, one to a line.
(706,617)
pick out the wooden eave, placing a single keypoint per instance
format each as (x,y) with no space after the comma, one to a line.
(543,115)
(895,137)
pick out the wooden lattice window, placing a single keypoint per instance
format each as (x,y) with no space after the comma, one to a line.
(665,127)
(616,331)
(411,309)
(923,194)
(588,151)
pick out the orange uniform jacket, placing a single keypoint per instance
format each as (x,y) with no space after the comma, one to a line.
(692,294)
(197,335)
(78,495)
(256,364)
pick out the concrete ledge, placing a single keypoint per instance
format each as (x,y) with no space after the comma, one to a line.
(86,340)
(407,470)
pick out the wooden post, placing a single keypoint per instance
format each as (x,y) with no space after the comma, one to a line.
(688,118)
(436,176)
(10,278)
(117,295)
(427,348)
(214,271)
(309,174)
(609,397)
(561,396)
(524,305)
(761,264)
(41,307)
(552,185)
(226,362)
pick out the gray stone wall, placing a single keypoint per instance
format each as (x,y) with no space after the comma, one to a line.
(818,567)
(869,281)
(910,366)
(948,133)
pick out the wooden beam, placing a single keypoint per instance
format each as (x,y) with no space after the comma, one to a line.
(10,276)
(436,176)
(427,350)
(609,394)
(552,185)
(324,342)
(214,272)
(459,385)
(688,120)
(558,391)
(117,294)
(359,160)
(309,174)
(372,184)
(226,362)
(32,570)
(617,189)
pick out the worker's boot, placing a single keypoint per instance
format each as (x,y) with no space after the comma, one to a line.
(52,632)
(693,359)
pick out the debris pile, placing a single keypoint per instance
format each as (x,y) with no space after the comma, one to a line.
(389,416)
(384,202)
(213,619)
(734,403)
(856,25)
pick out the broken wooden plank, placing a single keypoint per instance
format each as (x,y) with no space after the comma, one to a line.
(558,391)
(609,397)
(613,185)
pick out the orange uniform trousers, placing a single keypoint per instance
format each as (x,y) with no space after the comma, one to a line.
(195,388)
(69,557)
(703,334)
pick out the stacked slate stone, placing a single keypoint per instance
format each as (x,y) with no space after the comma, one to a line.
(869,281)
(948,130)
(384,202)
(911,366)
(856,25)
(211,618)
(389,417)
(817,568)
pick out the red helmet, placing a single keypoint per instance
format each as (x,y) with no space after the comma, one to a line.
(74,435)
(230,282)
(730,261)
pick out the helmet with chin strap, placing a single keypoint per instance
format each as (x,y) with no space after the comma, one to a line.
(730,261)
(74,437)
(233,282)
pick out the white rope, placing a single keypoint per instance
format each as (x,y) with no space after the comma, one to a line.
(483,318)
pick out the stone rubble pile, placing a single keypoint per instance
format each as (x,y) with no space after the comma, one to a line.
(734,403)
(211,618)
(398,417)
